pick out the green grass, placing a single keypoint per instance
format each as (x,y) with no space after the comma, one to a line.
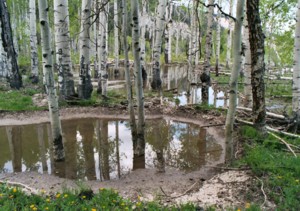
(104,199)
(14,100)
(279,170)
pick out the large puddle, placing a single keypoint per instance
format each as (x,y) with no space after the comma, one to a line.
(102,149)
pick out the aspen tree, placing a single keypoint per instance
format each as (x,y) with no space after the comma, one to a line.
(85,87)
(63,49)
(237,61)
(33,43)
(47,53)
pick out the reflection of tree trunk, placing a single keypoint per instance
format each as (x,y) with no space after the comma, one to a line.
(14,135)
(69,128)
(49,135)
(40,132)
(138,161)
(87,132)
(202,146)
(160,160)
(117,149)
(104,149)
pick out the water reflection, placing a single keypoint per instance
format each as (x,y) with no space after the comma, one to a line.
(102,149)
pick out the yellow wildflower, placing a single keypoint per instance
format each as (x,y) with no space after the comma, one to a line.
(238,209)
(14,190)
(247,205)
(123,204)
(1,194)
(83,197)
(101,189)
(58,195)
(48,200)
(93,209)
(32,206)
(66,196)
(46,208)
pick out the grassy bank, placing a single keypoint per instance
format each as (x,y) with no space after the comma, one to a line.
(276,167)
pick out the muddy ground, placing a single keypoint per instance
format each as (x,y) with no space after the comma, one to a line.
(210,186)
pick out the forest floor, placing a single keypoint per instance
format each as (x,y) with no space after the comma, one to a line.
(218,186)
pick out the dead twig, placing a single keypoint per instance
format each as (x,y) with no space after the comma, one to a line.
(185,192)
(262,190)
(213,125)
(283,141)
(228,168)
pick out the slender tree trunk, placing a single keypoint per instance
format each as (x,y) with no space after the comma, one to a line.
(3,63)
(127,74)
(247,66)
(33,43)
(103,76)
(49,81)
(218,40)
(63,51)
(237,63)
(296,72)
(14,77)
(140,147)
(168,36)
(205,75)
(116,35)
(85,87)
(256,39)
(143,41)
(159,28)
(229,36)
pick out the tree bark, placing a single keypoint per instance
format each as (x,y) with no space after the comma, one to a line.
(237,63)
(256,39)
(229,36)
(140,145)
(247,66)
(49,81)
(33,43)
(63,52)
(85,87)
(14,76)
(159,28)
(296,72)
(116,35)
(218,40)
(205,75)
(127,73)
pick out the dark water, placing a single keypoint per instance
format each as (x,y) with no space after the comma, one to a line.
(102,149)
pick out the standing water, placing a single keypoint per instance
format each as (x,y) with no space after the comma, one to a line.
(102,149)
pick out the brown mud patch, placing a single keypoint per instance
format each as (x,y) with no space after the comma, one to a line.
(209,186)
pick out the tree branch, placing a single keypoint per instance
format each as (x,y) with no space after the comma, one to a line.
(220,9)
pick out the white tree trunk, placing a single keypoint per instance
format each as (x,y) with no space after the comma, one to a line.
(296,68)
(159,28)
(140,147)
(205,76)
(168,35)
(218,40)
(116,34)
(49,81)
(4,73)
(85,87)
(177,42)
(33,43)
(143,32)
(127,72)
(247,67)
(229,35)
(62,45)
(233,78)
(103,76)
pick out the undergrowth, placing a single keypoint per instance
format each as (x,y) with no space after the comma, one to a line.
(104,199)
(277,168)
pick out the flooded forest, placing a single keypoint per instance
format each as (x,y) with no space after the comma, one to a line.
(149,105)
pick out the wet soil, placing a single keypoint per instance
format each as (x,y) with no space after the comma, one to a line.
(205,187)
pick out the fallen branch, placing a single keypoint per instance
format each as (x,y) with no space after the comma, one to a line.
(278,116)
(18,184)
(283,141)
(185,192)
(228,168)
(214,125)
(270,129)
(262,190)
